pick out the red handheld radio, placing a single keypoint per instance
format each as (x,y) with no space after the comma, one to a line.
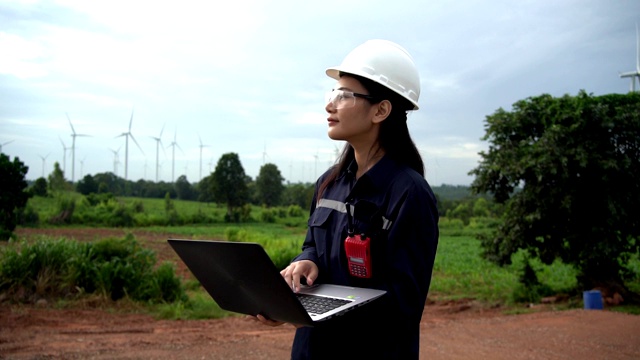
(358,250)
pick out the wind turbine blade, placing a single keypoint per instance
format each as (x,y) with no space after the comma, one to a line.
(134,140)
(131,120)
(72,129)
(162,130)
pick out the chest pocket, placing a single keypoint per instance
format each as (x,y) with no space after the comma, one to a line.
(319,226)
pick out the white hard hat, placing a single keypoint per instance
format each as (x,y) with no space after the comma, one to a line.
(385,63)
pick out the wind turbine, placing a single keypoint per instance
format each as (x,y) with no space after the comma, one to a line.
(128,135)
(73,149)
(173,155)
(634,74)
(264,155)
(43,160)
(201,146)
(6,143)
(116,160)
(64,157)
(82,166)
(158,142)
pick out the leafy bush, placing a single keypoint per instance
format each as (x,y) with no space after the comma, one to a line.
(268,216)
(66,205)
(112,268)
(28,217)
(529,288)
(29,272)
(295,211)
(103,198)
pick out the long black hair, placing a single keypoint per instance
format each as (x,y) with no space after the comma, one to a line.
(393,138)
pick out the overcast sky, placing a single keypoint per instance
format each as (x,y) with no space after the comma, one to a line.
(247,76)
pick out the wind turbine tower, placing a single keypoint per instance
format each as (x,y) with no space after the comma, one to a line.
(64,157)
(173,156)
(44,158)
(264,155)
(73,149)
(116,160)
(201,146)
(158,142)
(128,135)
(82,166)
(634,74)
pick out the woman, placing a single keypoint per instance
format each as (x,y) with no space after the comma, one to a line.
(377,189)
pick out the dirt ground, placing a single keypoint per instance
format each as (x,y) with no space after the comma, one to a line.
(461,330)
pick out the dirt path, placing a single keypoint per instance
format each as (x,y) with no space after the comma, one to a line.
(32,333)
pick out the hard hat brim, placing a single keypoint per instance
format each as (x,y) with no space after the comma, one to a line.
(334,73)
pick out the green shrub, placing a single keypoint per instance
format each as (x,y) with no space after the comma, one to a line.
(268,216)
(94,199)
(65,206)
(236,234)
(295,211)
(168,284)
(29,272)
(137,206)
(529,288)
(28,216)
(113,268)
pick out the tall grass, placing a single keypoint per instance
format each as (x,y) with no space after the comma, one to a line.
(112,268)
(461,272)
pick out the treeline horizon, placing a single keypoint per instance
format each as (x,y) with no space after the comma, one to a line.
(184,190)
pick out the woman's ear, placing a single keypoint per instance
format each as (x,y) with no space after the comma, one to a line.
(383,109)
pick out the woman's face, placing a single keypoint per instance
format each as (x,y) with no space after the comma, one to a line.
(350,118)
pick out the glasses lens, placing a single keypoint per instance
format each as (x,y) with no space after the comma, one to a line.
(340,99)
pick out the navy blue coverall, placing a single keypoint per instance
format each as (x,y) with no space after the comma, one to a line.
(394,206)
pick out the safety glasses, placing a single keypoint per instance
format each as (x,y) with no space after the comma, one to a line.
(342,99)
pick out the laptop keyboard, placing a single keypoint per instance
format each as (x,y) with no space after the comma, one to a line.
(320,304)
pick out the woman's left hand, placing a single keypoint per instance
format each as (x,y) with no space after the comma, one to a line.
(266,321)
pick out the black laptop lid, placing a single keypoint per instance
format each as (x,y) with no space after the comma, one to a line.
(241,278)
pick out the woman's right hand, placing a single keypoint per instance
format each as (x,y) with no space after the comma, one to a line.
(303,268)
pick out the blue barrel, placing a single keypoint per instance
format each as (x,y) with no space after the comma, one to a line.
(592,300)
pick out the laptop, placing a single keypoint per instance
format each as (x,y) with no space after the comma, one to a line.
(241,278)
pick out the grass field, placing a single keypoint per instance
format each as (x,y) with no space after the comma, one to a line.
(460,272)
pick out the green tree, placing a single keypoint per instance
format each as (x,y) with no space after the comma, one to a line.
(13,197)
(56,179)
(184,189)
(39,187)
(298,194)
(112,183)
(566,169)
(87,185)
(229,183)
(205,189)
(269,185)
